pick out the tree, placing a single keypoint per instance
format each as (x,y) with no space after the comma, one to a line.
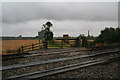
(118,34)
(110,35)
(48,24)
(47,33)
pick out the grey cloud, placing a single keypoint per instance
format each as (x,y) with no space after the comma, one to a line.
(14,12)
(73,28)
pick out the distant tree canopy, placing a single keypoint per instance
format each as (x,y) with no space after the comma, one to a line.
(47,25)
(110,35)
(47,33)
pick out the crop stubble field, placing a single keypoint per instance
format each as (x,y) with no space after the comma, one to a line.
(10,46)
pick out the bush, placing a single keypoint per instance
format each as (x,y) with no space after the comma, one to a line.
(110,35)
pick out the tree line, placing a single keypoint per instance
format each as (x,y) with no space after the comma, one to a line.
(110,35)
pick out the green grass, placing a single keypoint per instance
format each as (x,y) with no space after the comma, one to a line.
(114,44)
(58,44)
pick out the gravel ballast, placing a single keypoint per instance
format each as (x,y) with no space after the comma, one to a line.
(107,70)
(19,71)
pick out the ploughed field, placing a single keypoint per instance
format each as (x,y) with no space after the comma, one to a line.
(46,63)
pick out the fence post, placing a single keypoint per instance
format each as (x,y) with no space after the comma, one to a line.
(32,46)
(77,42)
(45,42)
(61,44)
(39,45)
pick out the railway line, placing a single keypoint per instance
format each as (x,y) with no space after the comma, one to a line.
(57,70)
(41,57)
(51,52)
(58,60)
(45,57)
(88,60)
(39,53)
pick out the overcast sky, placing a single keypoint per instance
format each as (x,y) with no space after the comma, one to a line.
(73,18)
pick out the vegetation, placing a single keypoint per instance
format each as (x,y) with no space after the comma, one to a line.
(109,35)
(58,44)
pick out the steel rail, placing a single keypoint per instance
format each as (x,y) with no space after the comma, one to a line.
(42,62)
(62,69)
(55,60)
(45,53)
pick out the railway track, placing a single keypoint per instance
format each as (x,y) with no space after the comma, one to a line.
(57,70)
(104,47)
(51,52)
(57,60)
(64,68)
(39,53)
(46,56)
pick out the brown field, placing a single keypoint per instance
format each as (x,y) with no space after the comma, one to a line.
(10,46)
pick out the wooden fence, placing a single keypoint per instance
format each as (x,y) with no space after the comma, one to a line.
(30,47)
(56,43)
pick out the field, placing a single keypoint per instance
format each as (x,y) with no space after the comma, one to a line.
(10,46)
